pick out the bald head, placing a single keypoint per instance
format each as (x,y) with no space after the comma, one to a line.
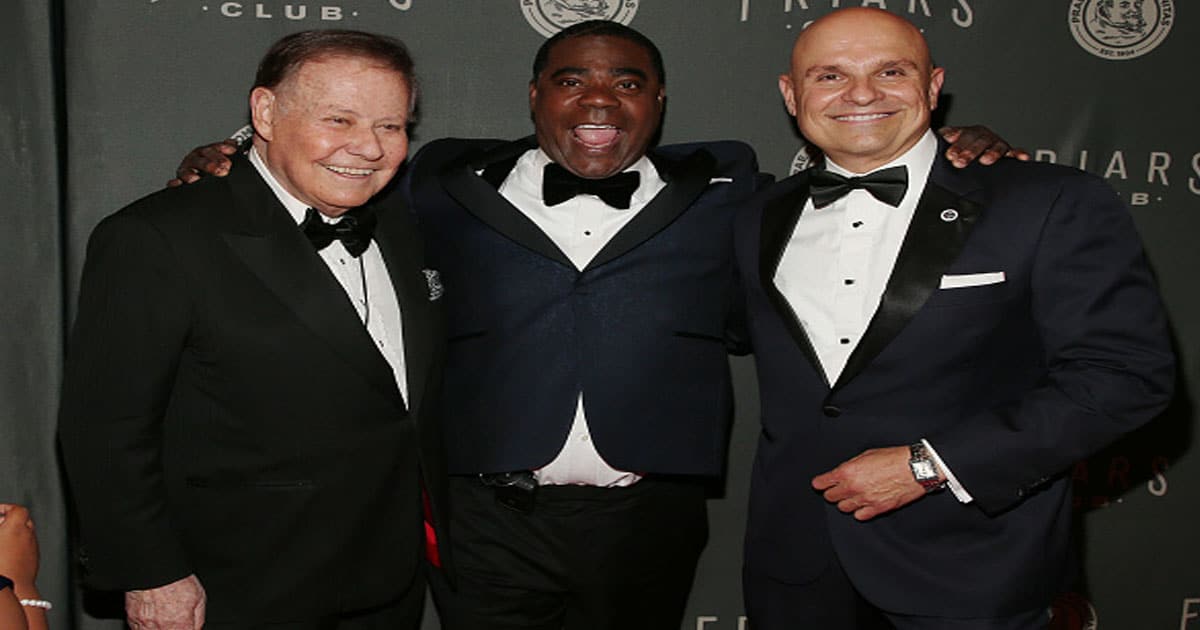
(861,28)
(861,86)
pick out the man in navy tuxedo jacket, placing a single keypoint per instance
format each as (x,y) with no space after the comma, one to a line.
(587,393)
(934,348)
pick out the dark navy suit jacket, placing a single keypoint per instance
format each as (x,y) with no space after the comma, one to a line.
(641,331)
(1011,382)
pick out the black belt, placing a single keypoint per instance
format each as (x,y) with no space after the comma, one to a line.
(515,490)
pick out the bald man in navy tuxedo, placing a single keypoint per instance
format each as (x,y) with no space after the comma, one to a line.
(935,348)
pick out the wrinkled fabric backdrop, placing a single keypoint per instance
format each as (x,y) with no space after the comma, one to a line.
(102,99)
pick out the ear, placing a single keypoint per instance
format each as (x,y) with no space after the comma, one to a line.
(936,79)
(264,109)
(787,89)
(532,94)
(661,97)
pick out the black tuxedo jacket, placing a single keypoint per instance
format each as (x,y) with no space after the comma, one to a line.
(641,331)
(225,412)
(1010,381)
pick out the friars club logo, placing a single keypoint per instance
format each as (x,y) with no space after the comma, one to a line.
(551,16)
(1120,29)
(804,158)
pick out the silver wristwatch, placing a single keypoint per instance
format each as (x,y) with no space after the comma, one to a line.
(924,469)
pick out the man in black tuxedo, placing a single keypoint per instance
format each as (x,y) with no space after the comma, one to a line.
(935,347)
(244,417)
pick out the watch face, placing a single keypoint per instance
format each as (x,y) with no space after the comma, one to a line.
(924,469)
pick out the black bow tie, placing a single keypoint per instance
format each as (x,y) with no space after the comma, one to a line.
(354,230)
(559,185)
(888,185)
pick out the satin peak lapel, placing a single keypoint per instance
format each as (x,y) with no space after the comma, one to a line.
(482,198)
(940,226)
(278,254)
(779,219)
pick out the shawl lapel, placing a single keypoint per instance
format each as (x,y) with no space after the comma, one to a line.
(686,179)
(478,193)
(482,198)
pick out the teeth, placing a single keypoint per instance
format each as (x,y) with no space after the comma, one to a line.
(597,136)
(343,170)
(862,117)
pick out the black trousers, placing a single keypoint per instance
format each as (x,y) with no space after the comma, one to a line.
(831,602)
(401,614)
(583,559)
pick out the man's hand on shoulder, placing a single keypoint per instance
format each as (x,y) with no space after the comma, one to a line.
(176,606)
(875,482)
(210,159)
(977,142)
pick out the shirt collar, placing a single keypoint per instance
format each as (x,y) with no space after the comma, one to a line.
(918,160)
(529,169)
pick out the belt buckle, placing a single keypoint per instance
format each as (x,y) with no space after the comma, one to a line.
(514,490)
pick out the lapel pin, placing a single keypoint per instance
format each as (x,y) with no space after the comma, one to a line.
(434,280)
(949,214)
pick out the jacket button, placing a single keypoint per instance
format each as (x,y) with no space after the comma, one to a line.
(831,411)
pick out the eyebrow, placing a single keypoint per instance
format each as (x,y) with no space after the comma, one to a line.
(892,63)
(616,72)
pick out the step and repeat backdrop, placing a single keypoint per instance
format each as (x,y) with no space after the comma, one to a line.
(1108,86)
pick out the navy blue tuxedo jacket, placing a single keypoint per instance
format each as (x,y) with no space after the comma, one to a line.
(641,331)
(225,413)
(1011,382)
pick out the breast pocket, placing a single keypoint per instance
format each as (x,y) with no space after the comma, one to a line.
(972,295)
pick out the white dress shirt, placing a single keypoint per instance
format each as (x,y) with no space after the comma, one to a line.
(837,262)
(580,227)
(365,280)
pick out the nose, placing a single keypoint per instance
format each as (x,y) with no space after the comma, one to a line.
(861,91)
(365,144)
(598,96)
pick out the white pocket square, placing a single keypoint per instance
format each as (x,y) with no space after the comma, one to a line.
(720,180)
(959,281)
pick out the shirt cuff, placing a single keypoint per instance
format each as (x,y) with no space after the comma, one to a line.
(956,488)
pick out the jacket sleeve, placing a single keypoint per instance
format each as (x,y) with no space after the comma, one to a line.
(1109,363)
(131,328)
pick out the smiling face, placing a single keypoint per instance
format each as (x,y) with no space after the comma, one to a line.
(597,104)
(335,131)
(861,87)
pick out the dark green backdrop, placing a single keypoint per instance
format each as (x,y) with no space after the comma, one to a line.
(103,97)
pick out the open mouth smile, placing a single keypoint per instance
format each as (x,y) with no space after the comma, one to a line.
(597,137)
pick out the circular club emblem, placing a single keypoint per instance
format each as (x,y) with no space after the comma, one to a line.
(551,16)
(804,158)
(1120,29)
